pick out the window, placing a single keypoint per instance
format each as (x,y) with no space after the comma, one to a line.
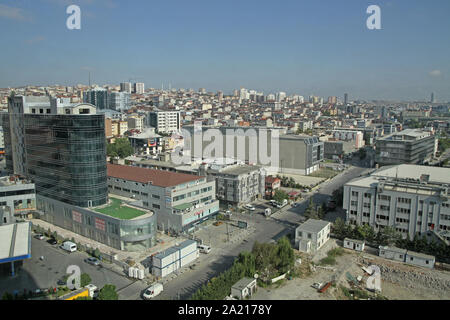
(156,196)
(156,206)
(354,193)
(309,235)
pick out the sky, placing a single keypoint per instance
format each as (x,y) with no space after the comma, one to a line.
(306,47)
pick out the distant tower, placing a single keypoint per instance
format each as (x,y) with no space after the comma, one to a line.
(345,98)
(432,98)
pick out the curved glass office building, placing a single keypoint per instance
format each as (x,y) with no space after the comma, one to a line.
(65,156)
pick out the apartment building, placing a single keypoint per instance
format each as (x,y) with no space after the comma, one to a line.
(164,121)
(237,184)
(413,199)
(18,195)
(412,146)
(179,200)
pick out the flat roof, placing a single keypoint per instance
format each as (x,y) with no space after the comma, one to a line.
(243,283)
(239,169)
(15,242)
(117,208)
(160,178)
(313,225)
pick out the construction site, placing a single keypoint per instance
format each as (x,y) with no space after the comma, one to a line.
(342,274)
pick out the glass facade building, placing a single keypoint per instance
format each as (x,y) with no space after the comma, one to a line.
(65,157)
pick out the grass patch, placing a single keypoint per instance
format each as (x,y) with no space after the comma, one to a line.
(117,210)
(331,256)
(324,173)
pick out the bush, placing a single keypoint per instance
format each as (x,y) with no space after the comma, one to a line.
(108,292)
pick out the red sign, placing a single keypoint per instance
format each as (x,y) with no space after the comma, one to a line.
(76,216)
(100,224)
(198,212)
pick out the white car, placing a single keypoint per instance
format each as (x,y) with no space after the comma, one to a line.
(39,236)
(153,291)
(250,207)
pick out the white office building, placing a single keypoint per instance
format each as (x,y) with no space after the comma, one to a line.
(312,235)
(413,199)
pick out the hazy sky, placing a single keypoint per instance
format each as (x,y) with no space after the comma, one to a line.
(320,47)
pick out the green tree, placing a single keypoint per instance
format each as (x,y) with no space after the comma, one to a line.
(286,255)
(389,236)
(339,228)
(338,196)
(311,211)
(120,148)
(85,279)
(108,292)
(280,195)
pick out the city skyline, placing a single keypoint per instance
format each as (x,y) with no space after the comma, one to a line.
(306,48)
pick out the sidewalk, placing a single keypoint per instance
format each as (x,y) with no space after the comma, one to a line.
(164,242)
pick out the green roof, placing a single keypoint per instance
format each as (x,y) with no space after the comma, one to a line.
(117,210)
(183,206)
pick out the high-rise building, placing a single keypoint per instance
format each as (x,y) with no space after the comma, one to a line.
(432,98)
(139,88)
(119,101)
(332,100)
(281,96)
(345,98)
(98,97)
(220,95)
(125,87)
(60,146)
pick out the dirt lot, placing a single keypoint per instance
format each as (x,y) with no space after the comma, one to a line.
(398,281)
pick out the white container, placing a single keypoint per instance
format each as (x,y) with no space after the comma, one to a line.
(140,274)
(131,272)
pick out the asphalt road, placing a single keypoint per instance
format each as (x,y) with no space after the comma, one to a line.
(282,222)
(36,273)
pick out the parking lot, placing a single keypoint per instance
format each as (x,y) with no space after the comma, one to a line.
(36,273)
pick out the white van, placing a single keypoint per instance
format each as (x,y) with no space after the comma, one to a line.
(153,291)
(204,248)
(69,246)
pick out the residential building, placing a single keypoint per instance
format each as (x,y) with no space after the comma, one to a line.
(236,183)
(180,200)
(125,87)
(311,235)
(271,185)
(97,97)
(147,142)
(164,121)
(119,101)
(139,88)
(410,198)
(136,122)
(412,146)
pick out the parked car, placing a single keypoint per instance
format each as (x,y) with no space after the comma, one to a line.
(249,207)
(93,261)
(69,246)
(153,291)
(39,236)
(52,241)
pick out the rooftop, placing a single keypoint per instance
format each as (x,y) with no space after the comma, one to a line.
(243,283)
(118,209)
(15,242)
(160,178)
(313,225)
(239,169)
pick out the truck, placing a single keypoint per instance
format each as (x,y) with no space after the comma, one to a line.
(153,291)
(69,246)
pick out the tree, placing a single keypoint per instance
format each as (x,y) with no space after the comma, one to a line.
(311,212)
(108,292)
(338,196)
(285,254)
(120,148)
(85,279)
(280,195)
(339,228)
(389,236)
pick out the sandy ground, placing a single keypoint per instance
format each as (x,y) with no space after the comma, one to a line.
(403,282)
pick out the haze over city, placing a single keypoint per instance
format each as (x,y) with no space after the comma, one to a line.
(304,47)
